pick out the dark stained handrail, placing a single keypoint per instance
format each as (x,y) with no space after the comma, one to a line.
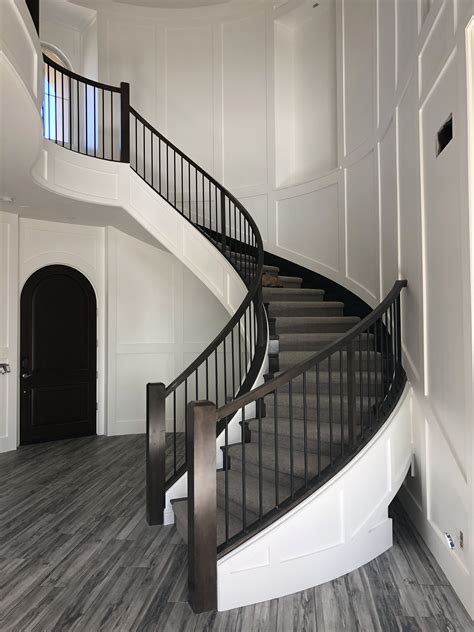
(80,78)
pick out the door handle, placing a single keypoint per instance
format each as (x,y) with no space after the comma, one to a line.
(25,375)
(4,368)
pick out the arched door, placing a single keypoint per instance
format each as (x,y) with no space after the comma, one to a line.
(58,356)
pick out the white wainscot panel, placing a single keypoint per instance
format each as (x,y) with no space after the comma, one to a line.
(43,238)
(359,71)
(131,56)
(411,263)
(362,225)
(388,209)
(446,338)
(189,92)
(407,31)
(308,225)
(18,42)
(386,51)
(134,371)
(415,484)
(436,49)
(244,97)
(4,284)
(145,293)
(257,206)
(84,180)
(203,315)
(448,492)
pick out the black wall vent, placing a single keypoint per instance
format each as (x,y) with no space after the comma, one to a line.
(444,135)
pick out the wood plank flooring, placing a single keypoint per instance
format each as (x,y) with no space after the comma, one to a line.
(77,555)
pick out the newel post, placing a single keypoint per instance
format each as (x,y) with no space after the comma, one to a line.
(124,122)
(155,453)
(202,506)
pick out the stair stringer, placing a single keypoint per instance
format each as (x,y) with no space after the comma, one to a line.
(114,184)
(340,527)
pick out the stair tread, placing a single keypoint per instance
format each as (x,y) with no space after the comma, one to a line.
(286,294)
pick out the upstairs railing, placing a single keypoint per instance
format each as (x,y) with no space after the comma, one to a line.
(315,416)
(84,115)
(96,119)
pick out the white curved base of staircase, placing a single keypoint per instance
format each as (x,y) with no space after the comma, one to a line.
(339,528)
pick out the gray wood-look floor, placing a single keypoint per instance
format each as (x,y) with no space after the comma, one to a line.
(76,554)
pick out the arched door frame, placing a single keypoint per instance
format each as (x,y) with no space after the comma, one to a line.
(100,378)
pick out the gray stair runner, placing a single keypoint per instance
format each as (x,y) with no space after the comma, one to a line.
(303,323)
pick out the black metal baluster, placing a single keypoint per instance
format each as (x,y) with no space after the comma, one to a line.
(207,378)
(62,105)
(233,363)
(341,400)
(186,418)
(240,353)
(259,404)
(203,201)
(87,121)
(112,129)
(95,122)
(226,478)
(55,107)
(152,160)
(167,173)
(182,185)
(369,380)
(305,431)
(240,246)
(144,151)
(189,190)
(331,444)
(275,425)
(216,378)
(244,482)
(174,433)
(290,403)
(210,206)
(136,144)
(174,173)
(245,343)
(361,388)
(197,196)
(225,373)
(318,418)
(103,124)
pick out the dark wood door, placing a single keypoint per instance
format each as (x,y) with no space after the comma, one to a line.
(58,356)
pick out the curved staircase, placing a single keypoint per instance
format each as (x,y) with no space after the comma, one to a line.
(301,323)
(247,468)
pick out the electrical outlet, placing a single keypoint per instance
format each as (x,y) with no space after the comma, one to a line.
(449,540)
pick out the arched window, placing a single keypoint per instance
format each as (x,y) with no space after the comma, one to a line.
(56,97)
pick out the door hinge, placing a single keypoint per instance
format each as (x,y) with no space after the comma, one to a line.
(96,406)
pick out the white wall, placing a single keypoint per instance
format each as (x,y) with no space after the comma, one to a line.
(160,318)
(154,316)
